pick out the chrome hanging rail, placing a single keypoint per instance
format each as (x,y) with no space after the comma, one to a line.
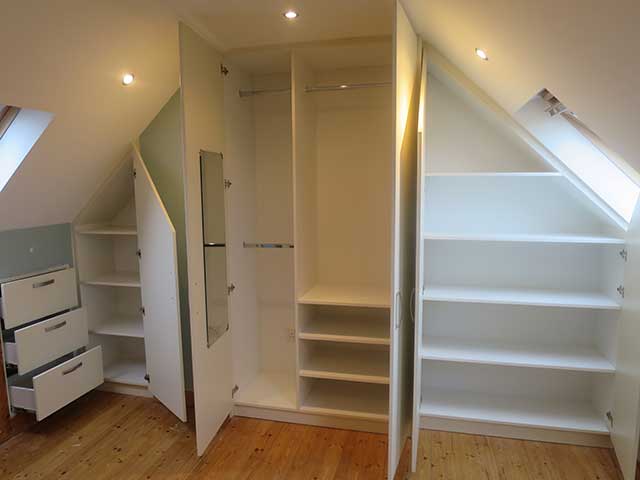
(262,91)
(344,86)
(267,245)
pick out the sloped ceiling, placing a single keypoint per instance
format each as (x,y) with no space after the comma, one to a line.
(67,57)
(584,51)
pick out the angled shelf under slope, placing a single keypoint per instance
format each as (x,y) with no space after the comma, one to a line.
(567,415)
(121,326)
(116,279)
(560,357)
(519,296)
(106,229)
(347,295)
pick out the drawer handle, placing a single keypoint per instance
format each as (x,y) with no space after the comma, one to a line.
(72,369)
(55,327)
(44,284)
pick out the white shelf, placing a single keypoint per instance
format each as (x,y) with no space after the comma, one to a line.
(347,330)
(526,238)
(270,390)
(116,279)
(347,295)
(487,353)
(519,296)
(355,365)
(105,229)
(495,174)
(539,413)
(346,399)
(121,326)
(127,372)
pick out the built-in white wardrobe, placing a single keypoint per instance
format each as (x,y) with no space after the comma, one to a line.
(296,159)
(125,248)
(527,305)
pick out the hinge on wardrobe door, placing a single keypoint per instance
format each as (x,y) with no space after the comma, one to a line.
(223,69)
(620,290)
(624,254)
(139,253)
(230,289)
(234,390)
(135,173)
(610,417)
(142,311)
(227,183)
(147,377)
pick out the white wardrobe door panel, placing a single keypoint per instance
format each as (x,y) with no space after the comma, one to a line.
(159,279)
(407,81)
(202,90)
(626,394)
(37,297)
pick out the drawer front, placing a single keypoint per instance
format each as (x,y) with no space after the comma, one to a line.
(66,382)
(32,298)
(39,344)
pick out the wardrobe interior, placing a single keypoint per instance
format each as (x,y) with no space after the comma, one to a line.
(308,142)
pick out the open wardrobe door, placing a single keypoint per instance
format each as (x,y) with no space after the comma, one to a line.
(202,92)
(406,85)
(160,297)
(626,389)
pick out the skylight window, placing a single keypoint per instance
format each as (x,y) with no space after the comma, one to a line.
(20,129)
(582,152)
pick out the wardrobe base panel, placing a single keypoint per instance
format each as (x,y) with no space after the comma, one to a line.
(509,431)
(311,419)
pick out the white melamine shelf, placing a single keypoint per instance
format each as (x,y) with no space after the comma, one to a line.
(346,330)
(347,399)
(347,295)
(127,371)
(116,279)
(520,296)
(559,357)
(495,174)
(121,326)
(270,390)
(569,415)
(526,238)
(354,366)
(129,230)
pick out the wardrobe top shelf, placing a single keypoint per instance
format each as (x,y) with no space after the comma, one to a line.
(347,295)
(519,296)
(127,230)
(526,238)
(495,174)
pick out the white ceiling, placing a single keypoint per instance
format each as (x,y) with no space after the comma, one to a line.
(250,23)
(67,57)
(584,51)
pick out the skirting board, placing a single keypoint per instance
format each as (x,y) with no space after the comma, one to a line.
(311,419)
(125,389)
(509,431)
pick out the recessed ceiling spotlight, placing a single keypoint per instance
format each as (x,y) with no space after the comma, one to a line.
(482,54)
(128,78)
(290,14)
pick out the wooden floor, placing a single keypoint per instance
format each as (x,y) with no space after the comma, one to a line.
(108,436)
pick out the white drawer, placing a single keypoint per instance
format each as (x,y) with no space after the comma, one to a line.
(43,342)
(54,388)
(36,297)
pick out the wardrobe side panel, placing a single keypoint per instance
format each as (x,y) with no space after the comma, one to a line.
(407,81)
(240,165)
(203,129)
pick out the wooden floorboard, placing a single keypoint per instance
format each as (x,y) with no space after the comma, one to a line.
(108,436)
